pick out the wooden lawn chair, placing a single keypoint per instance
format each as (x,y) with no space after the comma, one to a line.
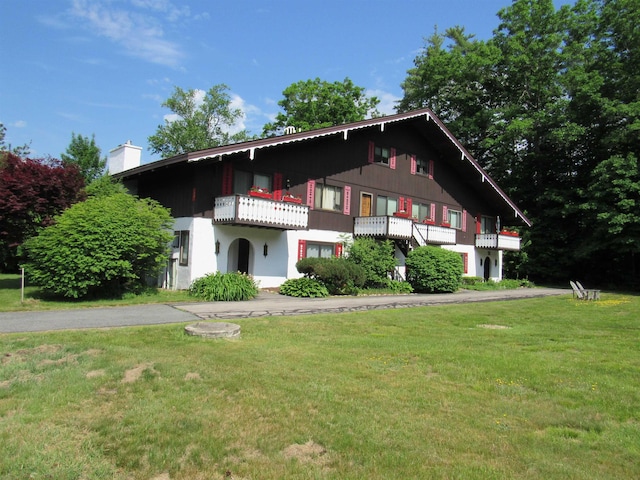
(590,294)
(577,292)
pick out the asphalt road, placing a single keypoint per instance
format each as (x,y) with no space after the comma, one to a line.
(266,304)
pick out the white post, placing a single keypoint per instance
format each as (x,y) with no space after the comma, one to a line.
(22,287)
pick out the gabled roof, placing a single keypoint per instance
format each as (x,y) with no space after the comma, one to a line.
(444,140)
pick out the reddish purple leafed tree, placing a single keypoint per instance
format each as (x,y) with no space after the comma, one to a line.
(32,192)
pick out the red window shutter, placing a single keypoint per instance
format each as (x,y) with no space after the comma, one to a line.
(400,204)
(465,262)
(277,186)
(392,160)
(478,224)
(408,205)
(372,151)
(464,220)
(431,167)
(302,249)
(227,179)
(433,212)
(414,165)
(338,250)
(311,190)
(445,214)
(346,201)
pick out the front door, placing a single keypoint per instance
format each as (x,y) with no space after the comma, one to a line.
(365,204)
(243,255)
(487,268)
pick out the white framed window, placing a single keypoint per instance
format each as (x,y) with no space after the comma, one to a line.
(422,211)
(181,243)
(320,250)
(386,205)
(455,218)
(328,197)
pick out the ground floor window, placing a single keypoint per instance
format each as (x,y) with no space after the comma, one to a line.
(319,250)
(181,243)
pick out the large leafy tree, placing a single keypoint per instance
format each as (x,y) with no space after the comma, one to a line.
(199,120)
(104,246)
(83,152)
(311,104)
(550,106)
(32,192)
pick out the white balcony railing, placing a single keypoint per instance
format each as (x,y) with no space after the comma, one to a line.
(497,242)
(260,211)
(434,235)
(388,227)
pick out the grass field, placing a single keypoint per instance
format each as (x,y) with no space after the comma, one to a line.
(13,299)
(527,389)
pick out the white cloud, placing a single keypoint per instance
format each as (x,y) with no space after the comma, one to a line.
(19,124)
(388,101)
(140,35)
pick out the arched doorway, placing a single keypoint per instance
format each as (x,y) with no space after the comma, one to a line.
(239,256)
(243,255)
(487,268)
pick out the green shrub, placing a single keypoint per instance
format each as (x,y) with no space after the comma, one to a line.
(222,287)
(376,258)
(304,287)
(434,270)
(472,281)
(340,276)
(103,247)
(399,287)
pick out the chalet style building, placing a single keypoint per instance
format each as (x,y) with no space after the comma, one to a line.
(260,206)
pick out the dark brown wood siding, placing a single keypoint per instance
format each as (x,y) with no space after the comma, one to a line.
(189,189)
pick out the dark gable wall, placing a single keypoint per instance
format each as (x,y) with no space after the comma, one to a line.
(189,189)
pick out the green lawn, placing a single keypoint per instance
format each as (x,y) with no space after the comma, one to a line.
(435,392)
(13,299)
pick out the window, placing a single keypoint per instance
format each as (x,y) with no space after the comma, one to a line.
(181,243)
(422,166)
(386,205)
(328,197)
(422,211)
(243,181)
(455,218)
(487,225)
(382,155)
(320,250)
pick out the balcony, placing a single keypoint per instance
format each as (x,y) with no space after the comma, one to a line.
(494,241)
(260,212)
(403,229)
(434,235)
(385,227)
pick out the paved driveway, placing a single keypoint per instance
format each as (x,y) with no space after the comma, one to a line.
(266,304)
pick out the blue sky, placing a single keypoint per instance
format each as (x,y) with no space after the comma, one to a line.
(105,67)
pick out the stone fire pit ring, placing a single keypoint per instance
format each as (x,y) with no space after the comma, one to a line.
(213,330)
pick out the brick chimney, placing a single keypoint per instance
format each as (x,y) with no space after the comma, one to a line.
(124,157)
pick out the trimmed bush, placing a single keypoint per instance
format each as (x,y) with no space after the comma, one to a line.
(340,276)
(223,287)
(304,287)
(103,247)
(376,258)
(434,270)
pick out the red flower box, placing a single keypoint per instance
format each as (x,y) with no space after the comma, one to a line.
(445,224)
(260,194)
(426,221)
(292,199)
(402,214)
